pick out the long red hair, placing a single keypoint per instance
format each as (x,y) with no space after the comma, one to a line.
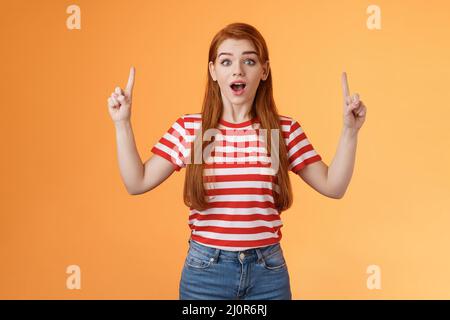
(263,108)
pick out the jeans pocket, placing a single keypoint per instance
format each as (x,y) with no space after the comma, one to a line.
(274,260)
(198,260)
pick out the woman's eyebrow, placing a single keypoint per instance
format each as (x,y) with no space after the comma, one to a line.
(243,53)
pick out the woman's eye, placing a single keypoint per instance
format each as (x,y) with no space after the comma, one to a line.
(253,62)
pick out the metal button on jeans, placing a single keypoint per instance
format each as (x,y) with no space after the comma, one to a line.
(242,256)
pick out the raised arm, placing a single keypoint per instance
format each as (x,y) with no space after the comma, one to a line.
(137,177)
(333,181)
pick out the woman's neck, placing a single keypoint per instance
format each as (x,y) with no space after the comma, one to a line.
(237,114)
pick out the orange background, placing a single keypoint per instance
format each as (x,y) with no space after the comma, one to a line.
(62,198)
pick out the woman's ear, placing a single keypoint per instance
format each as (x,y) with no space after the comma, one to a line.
(212,72)
(266,70)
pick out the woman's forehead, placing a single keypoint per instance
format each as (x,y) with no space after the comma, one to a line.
(235,46)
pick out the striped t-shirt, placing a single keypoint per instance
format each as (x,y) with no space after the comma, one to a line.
(238,178)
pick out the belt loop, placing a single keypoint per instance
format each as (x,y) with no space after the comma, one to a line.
(259,253)
(216,254)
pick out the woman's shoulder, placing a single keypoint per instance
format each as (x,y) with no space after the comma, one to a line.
(286,121)
(197,116)
(285,117)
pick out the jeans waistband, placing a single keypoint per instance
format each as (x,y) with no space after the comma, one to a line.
(215,252)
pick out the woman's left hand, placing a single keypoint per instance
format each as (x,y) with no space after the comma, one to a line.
(354,109)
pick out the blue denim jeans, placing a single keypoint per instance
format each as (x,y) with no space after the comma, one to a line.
(253,274)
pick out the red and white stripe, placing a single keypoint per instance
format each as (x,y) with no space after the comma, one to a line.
(238,180)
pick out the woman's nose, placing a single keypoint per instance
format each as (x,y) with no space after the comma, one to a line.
(238,70)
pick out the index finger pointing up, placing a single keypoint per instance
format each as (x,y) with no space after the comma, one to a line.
(130,83)
(345,90)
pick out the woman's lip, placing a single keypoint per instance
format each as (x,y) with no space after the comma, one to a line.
(238,81)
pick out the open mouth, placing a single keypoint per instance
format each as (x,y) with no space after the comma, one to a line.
(238,87)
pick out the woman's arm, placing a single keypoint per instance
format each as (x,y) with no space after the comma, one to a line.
(333,181)
(341,168)
(138,178)
(156,171)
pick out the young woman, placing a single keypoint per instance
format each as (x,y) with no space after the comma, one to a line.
(237,190)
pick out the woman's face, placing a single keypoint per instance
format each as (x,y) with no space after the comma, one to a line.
(237,61)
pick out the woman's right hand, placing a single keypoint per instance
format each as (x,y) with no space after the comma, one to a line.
(119,103)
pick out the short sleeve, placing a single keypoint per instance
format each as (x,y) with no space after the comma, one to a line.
(300,151)
(172,145)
